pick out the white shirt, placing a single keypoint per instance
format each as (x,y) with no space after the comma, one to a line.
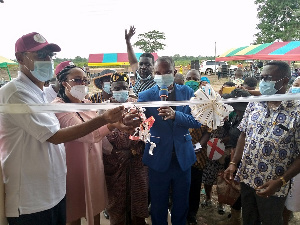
(34,170)
(50,93)
(292,202)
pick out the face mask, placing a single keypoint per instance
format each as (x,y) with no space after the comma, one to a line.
(106,87)
(206,89)
(295,90)
(164,80)
(79,91)
(120,96)
(143,79)
(43,70)
(193,84)
(267,87)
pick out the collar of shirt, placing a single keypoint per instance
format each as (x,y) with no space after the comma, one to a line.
(22,77)
(143,85)
(140,79)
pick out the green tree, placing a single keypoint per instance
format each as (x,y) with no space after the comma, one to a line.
(185,60)
(151,41)
(78,61)
(278,20)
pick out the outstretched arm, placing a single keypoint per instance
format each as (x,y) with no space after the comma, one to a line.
(131,56)
(228,174)
(74,132)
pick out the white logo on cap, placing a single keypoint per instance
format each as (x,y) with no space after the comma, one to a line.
(71,64)
(39,38)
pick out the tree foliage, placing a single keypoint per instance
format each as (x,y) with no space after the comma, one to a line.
(78,61)
(151,41)
(278,20)
(185,60)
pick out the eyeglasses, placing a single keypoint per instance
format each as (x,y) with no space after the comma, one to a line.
(42,54)
(79,81)
(266,78)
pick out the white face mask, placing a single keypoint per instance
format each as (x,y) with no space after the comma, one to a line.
(79,91)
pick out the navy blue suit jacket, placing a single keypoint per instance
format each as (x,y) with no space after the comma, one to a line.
(169,134)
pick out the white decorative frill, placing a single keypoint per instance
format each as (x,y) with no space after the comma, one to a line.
(212,111)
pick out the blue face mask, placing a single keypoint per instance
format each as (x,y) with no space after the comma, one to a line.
(43,70)
(106,87)
(164,80)
(295,90)
(267,87)
(120,96)
(193,84)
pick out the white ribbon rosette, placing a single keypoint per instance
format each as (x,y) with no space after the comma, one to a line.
(212,111)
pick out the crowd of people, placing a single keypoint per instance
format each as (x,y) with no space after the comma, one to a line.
(61,167)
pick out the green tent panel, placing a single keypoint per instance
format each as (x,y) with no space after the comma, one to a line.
(5,63)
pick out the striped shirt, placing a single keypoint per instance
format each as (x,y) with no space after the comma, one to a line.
(142,85)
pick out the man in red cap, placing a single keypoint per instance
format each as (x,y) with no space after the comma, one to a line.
(32,153)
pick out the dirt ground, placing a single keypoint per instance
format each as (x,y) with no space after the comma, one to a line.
(210,216)
(206,216)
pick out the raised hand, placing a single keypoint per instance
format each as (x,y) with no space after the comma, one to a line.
(130,33)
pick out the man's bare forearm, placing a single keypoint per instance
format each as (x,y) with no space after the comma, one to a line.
(131,56)
(204,139)
(239,148)
(293,170)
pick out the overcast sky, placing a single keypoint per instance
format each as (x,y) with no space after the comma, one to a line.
(82,27)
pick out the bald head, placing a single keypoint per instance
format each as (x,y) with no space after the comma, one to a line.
(179,79)
(193,75)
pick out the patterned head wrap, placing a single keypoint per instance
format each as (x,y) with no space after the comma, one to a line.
(119,77)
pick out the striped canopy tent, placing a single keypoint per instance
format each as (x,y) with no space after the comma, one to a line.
(5,63)
(285,51)
(112,59)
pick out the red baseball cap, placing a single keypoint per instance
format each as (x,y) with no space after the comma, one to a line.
(33,42)
(62,65)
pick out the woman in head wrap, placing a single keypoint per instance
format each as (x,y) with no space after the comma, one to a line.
(205,84)
(86,189)
(204,81)
(126,175)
